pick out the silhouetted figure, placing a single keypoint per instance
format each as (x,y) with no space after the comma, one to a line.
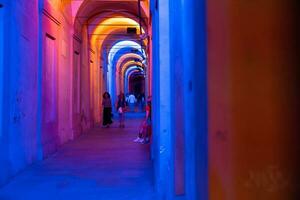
(107,110)
(139,101)
(143,102)
(121,105)
(126,98)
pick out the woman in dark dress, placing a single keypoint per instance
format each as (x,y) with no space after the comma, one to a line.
(107,109)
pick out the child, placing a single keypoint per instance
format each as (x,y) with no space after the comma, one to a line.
(145,128)
(121,104)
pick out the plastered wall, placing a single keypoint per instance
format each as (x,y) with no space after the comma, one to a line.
(253,95)
(19,78)
(38,83)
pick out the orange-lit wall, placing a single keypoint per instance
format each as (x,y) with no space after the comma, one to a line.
(85,76)
(253,100)
(220,135)
(58,26)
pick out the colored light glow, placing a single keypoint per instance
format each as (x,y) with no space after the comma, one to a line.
(76,5)
(122,52)
(128,75)
(101,30)
(120,64)
(133,71)
(130,69)
(129,64)
(113,52)
(132,56)
(99,35)
(117,23)
(121,45)
(125,67)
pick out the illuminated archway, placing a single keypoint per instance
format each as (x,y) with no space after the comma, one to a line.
(115,52)
(129,66)
(123,60)
(132,74)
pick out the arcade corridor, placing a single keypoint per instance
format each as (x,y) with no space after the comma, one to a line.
(219,81)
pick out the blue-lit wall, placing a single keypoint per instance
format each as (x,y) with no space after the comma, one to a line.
(197,100)
(177,63)
(180,99)
(19,84)
(3,149)
(157,150)
(1,64)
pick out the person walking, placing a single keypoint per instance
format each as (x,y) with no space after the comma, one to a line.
(107,110)
(131,102)
(121,105)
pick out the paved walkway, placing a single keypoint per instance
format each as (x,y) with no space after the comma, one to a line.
(104,164)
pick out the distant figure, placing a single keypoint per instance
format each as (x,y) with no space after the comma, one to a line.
(131,102)
(121,105)
(107,110)
(143,102)
(139,101)
(126,98)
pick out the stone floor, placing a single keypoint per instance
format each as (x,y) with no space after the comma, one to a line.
(104,164)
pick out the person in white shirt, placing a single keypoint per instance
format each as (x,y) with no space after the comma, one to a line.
(131,102)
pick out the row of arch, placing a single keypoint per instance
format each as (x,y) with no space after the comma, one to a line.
(120,54)
(59,69)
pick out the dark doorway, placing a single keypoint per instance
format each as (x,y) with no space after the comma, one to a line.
(137,84)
